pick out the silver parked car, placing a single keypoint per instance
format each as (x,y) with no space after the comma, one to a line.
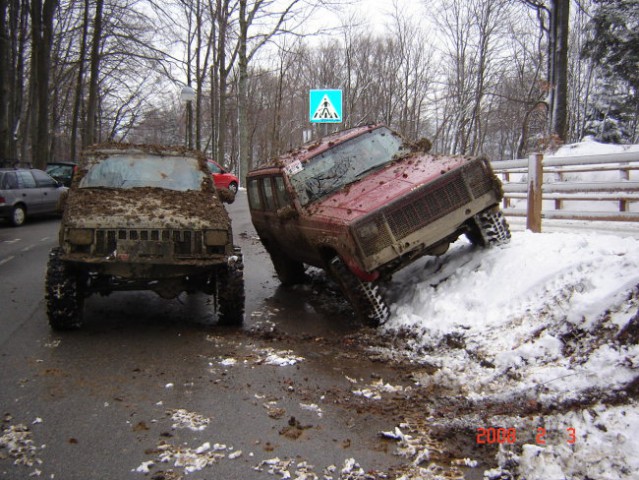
(27,192)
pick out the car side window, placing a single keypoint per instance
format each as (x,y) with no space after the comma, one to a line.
(43,180)
(280,192)
(25,179)
(268,194)
(255,201)
(214,168)
(9,181)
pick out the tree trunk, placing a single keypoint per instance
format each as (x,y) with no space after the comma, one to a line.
(560,17)
(90,135)
(42,34)
(243,101)
(78,88)
(6,72)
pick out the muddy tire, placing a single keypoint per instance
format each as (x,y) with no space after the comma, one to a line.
(289,271)
(489,228)
(63,297)
(368,304)
(230,292)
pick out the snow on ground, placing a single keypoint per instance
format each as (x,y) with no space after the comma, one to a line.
(548,320)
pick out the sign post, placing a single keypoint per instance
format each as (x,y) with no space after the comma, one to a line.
(325,106)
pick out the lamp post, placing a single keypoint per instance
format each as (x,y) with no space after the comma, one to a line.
(188,95)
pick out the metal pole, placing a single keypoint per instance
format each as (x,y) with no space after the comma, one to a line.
(535,180)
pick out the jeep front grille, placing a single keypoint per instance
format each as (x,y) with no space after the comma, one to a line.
(185,243)
(425,205)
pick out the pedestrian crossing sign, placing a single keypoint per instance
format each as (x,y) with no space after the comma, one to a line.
(325,106)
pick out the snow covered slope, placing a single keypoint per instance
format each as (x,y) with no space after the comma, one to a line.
(548,324)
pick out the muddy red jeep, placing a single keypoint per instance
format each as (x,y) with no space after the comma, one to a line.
(363,204)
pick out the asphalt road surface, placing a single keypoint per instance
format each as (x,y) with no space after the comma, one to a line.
(153,388)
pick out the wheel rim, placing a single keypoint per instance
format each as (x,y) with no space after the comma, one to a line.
(233,187)
(18,216)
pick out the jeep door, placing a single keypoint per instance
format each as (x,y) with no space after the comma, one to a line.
(279,218)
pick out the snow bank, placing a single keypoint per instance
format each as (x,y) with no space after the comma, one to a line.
(535,321)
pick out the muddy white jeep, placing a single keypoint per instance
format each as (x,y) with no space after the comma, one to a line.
(143,218)
(363,203)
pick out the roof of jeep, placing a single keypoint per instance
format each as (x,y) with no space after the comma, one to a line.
(123,148)
(308,150)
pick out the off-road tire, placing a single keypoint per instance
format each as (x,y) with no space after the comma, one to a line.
(63,297)
(289,271)
(18,215)
(489,228)
(230,292)
(368,304)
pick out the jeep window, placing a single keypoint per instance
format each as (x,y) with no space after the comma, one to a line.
(127,171)
(255,201)
(280,192)
(344,164)
(268,193)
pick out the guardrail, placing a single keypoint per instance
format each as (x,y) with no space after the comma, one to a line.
(550,188)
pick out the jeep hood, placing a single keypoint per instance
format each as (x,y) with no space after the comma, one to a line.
(144,208)
(392,181)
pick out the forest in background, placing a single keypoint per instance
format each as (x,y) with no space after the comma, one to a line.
(502,78)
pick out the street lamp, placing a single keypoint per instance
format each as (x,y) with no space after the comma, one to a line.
(188,95)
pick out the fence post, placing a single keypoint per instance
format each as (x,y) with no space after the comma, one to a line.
(535,180)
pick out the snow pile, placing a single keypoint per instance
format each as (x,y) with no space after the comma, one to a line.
(185,419)
(190,459)
(280,358)
(18,442)
(286,469)
(548,321)
(375,390)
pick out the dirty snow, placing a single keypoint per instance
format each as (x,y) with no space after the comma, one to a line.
(182,418)
(17,442)
(537,320)
(290,469)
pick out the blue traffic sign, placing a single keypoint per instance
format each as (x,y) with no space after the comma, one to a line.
(325,106)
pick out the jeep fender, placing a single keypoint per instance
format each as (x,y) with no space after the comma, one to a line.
(361,274)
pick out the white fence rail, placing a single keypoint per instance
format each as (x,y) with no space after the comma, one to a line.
(587,187)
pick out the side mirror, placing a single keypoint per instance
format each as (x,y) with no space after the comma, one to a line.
(287,213)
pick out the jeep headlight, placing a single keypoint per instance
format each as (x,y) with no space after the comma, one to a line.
(80,236)
(215,237)
(368,230)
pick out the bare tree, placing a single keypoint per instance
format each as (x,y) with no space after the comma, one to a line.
(42,15)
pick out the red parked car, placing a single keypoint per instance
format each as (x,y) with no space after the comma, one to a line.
(222,177)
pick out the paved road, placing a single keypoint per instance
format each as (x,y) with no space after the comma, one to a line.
(147,379)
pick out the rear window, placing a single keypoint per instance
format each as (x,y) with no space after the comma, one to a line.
(8,181)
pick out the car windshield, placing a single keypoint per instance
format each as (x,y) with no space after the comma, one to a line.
(133,171)
(344,164)
(59,170)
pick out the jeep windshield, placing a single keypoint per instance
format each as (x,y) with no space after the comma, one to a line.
(134,171)
(344,164)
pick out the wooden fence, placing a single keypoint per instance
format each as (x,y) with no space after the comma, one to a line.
(586,187)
